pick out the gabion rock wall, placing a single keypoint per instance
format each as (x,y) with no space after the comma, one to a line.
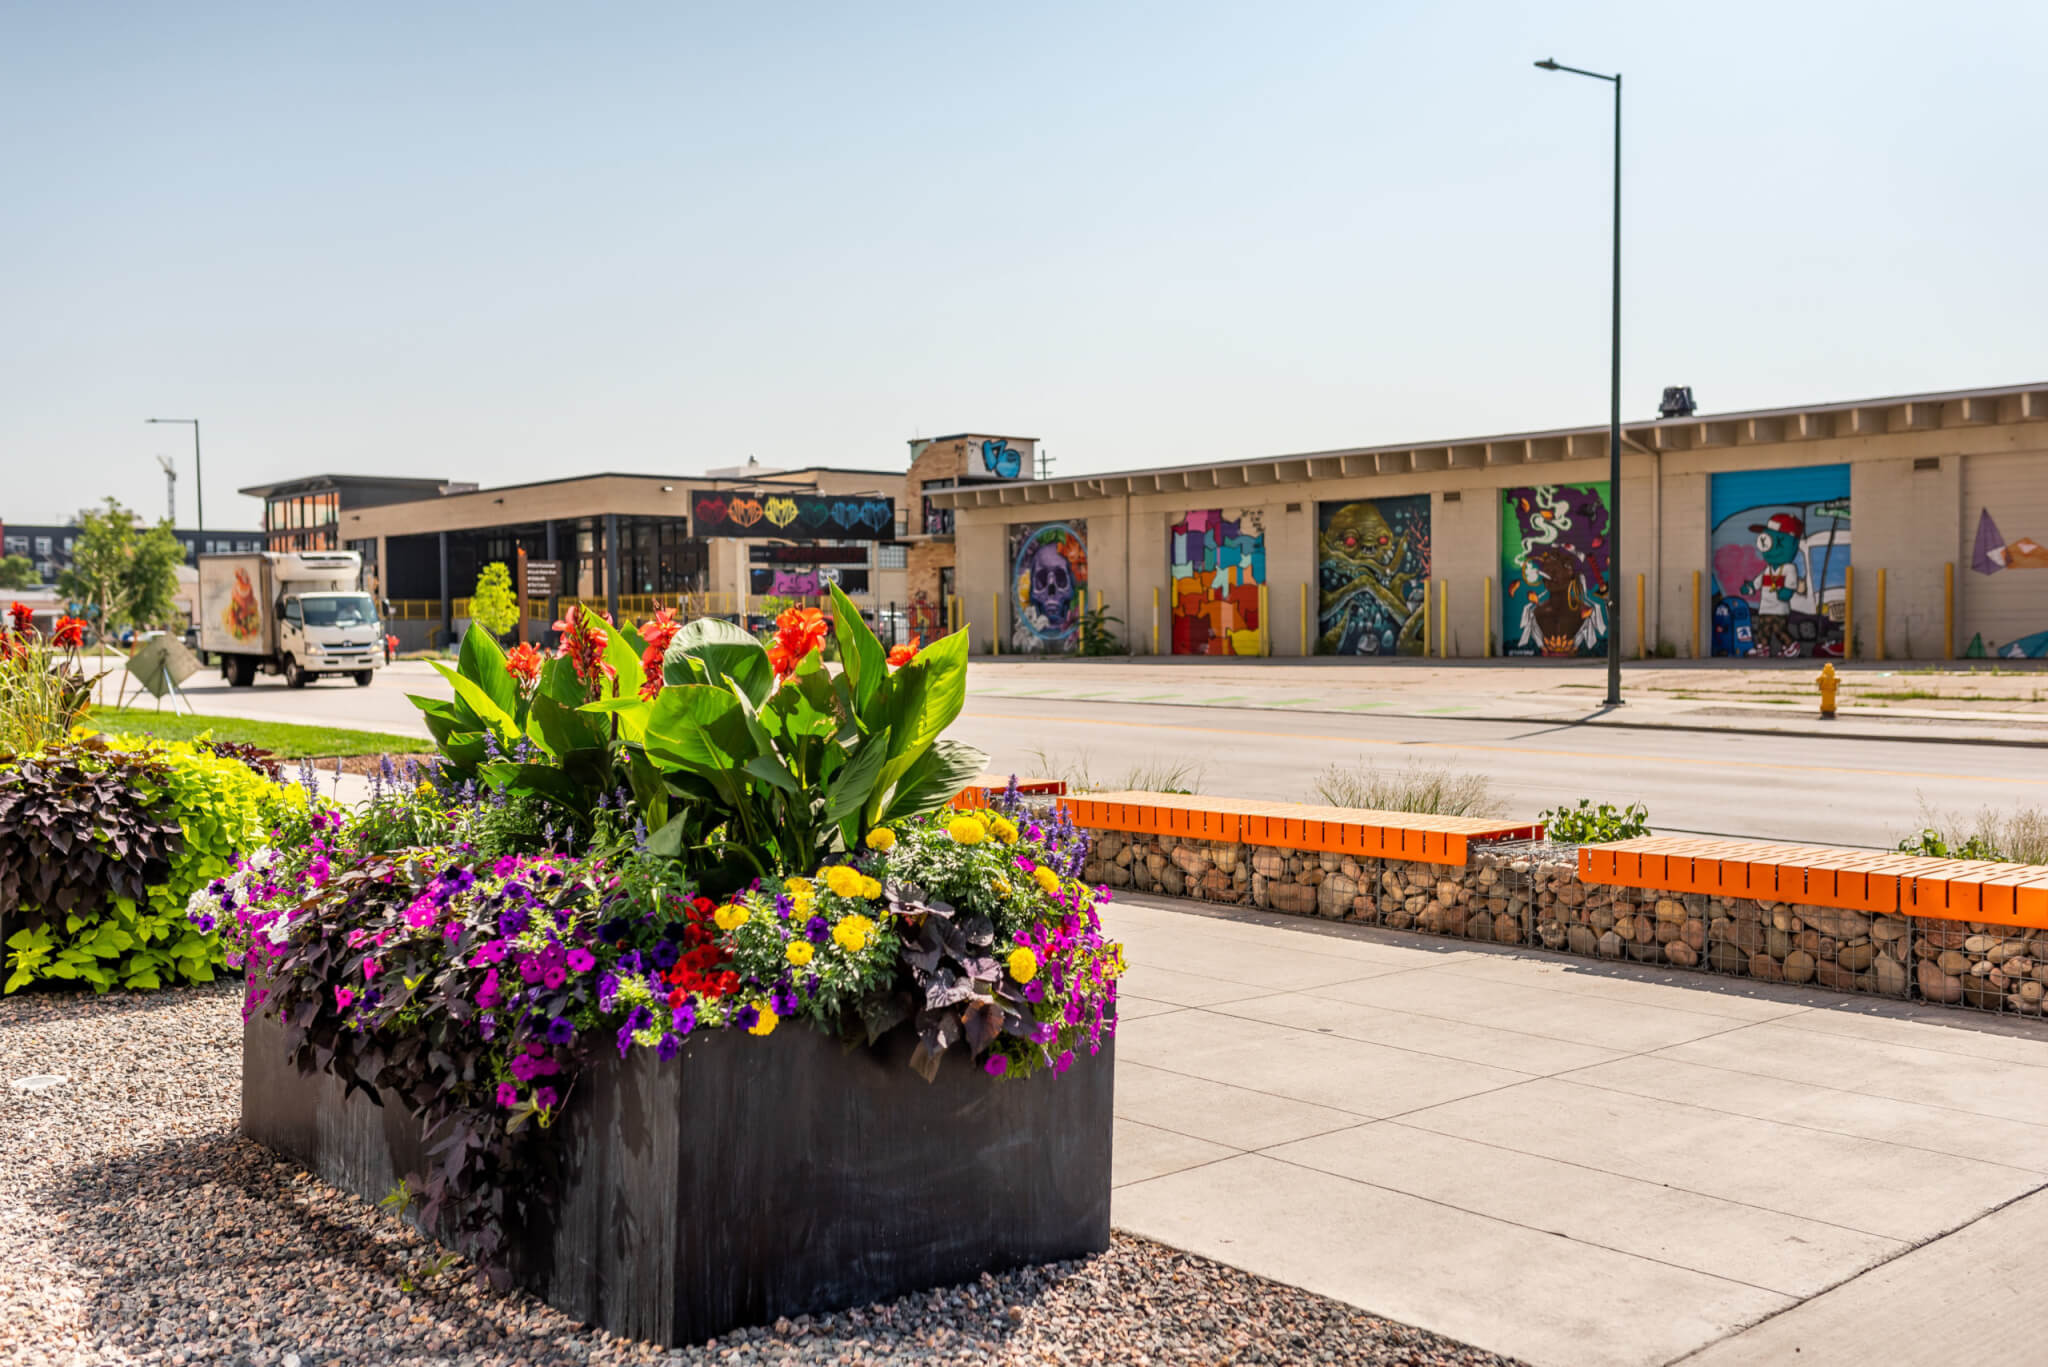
(1530,893)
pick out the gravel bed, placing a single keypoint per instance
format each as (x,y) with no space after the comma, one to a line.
(135,1226)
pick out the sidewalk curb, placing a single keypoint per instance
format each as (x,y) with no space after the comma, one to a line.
(1818,729)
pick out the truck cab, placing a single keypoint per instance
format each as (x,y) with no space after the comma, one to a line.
(328,633)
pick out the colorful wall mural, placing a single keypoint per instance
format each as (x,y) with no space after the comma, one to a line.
(1372,570)
(1049,579)
(1991,553)
(1554,565)
(1780,554)
(1217,561)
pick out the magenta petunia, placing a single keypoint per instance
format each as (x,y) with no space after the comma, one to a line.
(996,1066)
(508,1095)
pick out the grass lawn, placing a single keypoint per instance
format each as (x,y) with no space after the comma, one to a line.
(290,741)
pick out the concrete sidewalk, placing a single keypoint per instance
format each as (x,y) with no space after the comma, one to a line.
(1577,1163)
(2010,708)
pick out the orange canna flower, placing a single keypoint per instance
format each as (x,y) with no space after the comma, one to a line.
(523,664)
(904,654)
(22,616)
(70,633)
(798,632)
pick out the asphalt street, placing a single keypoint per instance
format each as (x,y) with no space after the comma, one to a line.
(1844,790)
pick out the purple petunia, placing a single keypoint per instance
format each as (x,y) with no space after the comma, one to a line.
(746,1018)
(669,1047)
(996,1066)
(817,931)
(560,1031)
(508,1095)
(544,1097)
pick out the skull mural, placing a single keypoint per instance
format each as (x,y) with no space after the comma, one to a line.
(1049,572)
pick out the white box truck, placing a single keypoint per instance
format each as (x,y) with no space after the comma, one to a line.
(295,613)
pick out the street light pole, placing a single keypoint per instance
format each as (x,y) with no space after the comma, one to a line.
(198,470)
(1614,408)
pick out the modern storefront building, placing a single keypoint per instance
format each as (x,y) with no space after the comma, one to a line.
(937,464)
(1914,526)
(721,543)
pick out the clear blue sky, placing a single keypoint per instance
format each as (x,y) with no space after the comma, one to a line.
(503,242)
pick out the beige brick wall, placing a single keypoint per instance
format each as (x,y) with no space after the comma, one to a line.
(1911,524)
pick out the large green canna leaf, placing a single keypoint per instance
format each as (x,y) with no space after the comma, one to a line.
(699,727)
(946,768)
(483,664)
(710,650)
(861,658)
(849,790)
(561,731)
(473,696)
(924,698)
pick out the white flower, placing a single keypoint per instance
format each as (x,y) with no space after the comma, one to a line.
(279,930)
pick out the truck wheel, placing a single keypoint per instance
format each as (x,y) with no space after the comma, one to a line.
(363,677)
(294,677)
(240,669)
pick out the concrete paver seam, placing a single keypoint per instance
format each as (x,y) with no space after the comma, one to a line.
(1811,1128)
(1835,1286)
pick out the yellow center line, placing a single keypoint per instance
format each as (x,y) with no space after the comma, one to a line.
(1502,749)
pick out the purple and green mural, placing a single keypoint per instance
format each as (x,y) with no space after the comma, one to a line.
(1049,586)
(1554,558)
(1780,553)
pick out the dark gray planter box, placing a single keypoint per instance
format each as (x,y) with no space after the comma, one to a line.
(754,1178)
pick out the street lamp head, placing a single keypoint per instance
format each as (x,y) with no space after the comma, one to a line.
(1548,64)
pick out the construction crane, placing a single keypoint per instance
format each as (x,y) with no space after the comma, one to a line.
(171,488)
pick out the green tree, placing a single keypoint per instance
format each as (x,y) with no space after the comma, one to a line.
(18,572)
(151,584)
(100,558)
(492,606)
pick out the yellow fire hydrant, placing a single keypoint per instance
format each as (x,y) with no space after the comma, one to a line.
(1828,683)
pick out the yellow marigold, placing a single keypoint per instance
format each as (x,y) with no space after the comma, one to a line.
(731,916)
(1005,830)
(1046,879)
(799,952)
(766,1024)
(854,933)
(965,830)
(881,838)
(844,880)
(1002,886)
(1023,964)
(797,887)
(871,887)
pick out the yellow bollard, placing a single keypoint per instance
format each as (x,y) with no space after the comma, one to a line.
(1642,643)
(1948,611)
(1155,619)
(1265,623)
(1695,614)
(1486,622)
(1880,614)
(1849,613)
(1827,683)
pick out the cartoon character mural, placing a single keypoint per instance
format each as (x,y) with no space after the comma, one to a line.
(1049,578)
(1217,561)
(924,615)
(1780,558)
(1372,568)
(1554,567)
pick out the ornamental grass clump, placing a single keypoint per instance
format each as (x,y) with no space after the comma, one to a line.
(43,690)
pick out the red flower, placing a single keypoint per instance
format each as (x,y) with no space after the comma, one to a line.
(657,631)
(583,646)
(24,617)
(798,632)
(903,655)
(523,664)
(70,633)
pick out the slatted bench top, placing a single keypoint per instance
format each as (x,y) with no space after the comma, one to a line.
(1858,880)
(1296,825)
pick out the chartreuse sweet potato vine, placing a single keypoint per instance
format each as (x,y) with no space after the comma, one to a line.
(106,840)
